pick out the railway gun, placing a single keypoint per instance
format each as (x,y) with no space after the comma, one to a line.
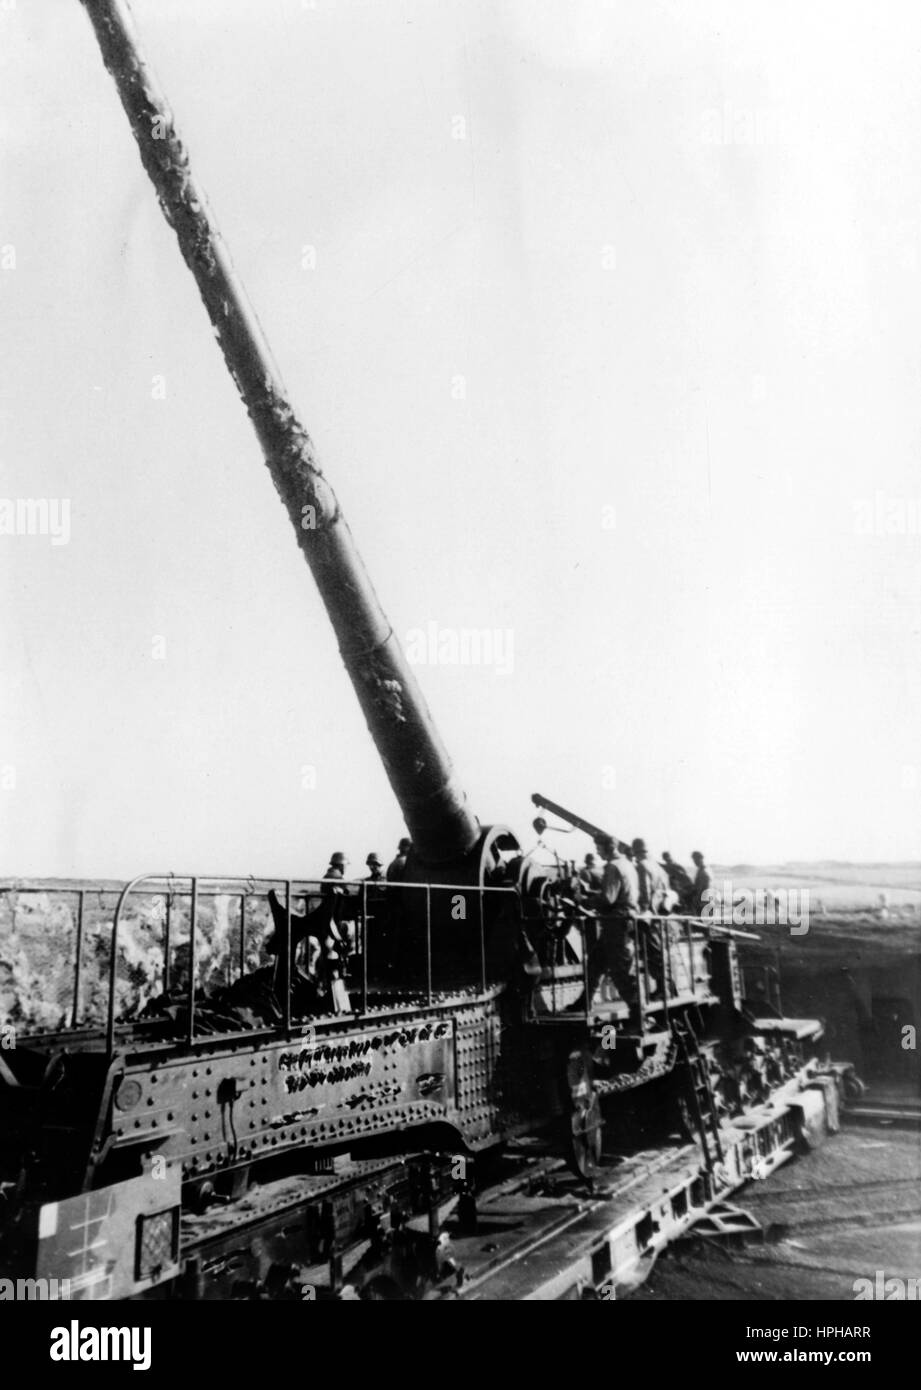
(212,1141)
(330,1106)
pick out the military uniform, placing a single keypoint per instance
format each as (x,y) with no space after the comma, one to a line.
(618,901)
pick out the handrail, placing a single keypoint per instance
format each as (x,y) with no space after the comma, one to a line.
(640,927)
(286,968)
(110,1012)
(428,942)
(166,885)
(193,923)
(172,887)
(167,940)
(225,884)
(78,957)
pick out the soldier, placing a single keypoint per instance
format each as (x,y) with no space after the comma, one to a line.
(376,929)
(586,888)
(679,880)
(590,875)
(653,898)
(701,886)
(326,950)
(396,870)
(341,909)
(617,907)
(653,889)
(338,863)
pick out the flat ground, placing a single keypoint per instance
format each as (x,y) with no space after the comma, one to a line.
(830,1217)
(858,914)
(844,887)
(842,942)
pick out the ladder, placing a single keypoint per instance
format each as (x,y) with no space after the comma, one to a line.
(703,1106)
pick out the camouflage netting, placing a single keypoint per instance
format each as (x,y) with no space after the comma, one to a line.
(38,933)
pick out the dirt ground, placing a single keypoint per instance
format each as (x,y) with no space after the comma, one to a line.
(840,942)
(831,1217)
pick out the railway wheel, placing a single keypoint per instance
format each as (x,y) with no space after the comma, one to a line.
(585,1115)
(851,1085)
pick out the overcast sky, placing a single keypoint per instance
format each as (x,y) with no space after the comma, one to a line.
(605,321)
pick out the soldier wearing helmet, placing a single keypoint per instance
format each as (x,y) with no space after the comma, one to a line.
(614,954)
(396,870)
(653,889)
(341,911)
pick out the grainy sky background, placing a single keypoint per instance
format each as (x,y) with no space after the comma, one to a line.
(529,269)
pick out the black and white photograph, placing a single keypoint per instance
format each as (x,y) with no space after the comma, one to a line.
(460,715)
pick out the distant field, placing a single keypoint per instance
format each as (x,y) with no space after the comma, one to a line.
(857,913)
(834,888)
(828,871)
(848,939)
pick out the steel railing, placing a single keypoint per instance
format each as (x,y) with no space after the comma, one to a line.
(222,885)
(677,937)
(172,888)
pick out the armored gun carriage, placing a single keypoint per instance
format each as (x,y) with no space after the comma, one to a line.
(334,1096)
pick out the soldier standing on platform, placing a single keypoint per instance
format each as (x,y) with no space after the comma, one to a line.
(618,901)
(653,898)
(396,870)
(701,888)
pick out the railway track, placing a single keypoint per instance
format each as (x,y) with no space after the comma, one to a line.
(885,1113)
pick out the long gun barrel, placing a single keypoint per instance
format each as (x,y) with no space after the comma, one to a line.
(434,807)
